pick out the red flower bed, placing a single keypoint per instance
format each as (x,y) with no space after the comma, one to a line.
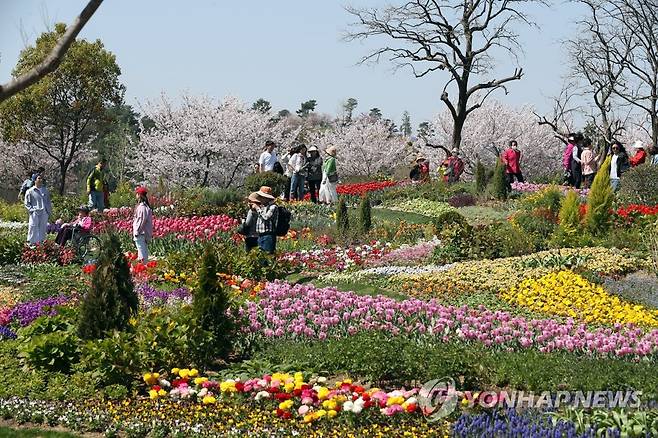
(358,189)
(191,228)
(48,252)
(636,210)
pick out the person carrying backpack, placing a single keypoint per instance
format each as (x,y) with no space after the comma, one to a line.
(266,222)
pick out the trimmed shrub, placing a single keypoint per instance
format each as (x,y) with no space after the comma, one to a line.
(569,221)
(207,201)
(15,212)
(365,214)
(498,186)
(111,301)
(270,179)
(480,177)
(640,185)
(342,217)
(599,201)
(212,305)
(11,246)
(448,218)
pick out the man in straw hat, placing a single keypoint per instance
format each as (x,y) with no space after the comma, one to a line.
(420,170)
(266,220)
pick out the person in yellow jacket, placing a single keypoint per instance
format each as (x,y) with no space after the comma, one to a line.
(96,186)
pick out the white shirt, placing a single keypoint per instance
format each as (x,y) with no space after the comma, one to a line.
(297,162)
(267,161)
(613,167)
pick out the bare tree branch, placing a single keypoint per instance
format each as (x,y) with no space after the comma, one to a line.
(54,58)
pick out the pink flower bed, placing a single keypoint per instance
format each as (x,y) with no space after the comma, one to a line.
(407,254)
(303,311)
(336,259)
(191,228)
(531,188)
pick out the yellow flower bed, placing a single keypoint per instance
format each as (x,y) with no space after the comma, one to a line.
(568,294)
(502,274)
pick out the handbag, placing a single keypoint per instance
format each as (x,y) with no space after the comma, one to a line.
(243,229)
(333,178)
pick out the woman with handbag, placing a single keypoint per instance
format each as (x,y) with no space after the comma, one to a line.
(328,194)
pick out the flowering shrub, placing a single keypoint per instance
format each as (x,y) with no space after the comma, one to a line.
(288,396)
(420,206)
(567,294)
(337,258)
(526,187)
(48,252)
(190,228)
(152,297)
(301,311)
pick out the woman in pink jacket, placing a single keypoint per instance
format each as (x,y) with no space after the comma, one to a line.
(567,157)
(512,160)
(142,224)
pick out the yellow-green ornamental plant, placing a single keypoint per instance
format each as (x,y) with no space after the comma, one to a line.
(569,219)
(599,201)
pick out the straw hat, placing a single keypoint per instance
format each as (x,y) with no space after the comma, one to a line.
(265,192)
(253,197)
(331,150)
(420,158)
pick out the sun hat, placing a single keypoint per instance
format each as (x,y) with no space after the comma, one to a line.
(141,190)
(253,197)
(638,144)
(420,157)
(331,150)
(265,192)
(312,149)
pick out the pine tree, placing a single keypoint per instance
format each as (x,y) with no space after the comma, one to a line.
(599,201)
(111,301)
(480,177)
(342,218)
(365,214)
(211,304)
(498,182)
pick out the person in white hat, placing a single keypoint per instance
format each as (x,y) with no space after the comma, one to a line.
(640,154)
(314,178)
(328,193)
(248,228)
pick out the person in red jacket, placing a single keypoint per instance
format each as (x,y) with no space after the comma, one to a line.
(640,154)
(511,158)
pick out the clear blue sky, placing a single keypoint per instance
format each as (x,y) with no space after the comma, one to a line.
(286,51)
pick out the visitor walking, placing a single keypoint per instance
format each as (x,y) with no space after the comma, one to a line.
(142,224)
(96,186)
(511,158)
(328,194)
(287,171)
(297,165)
(81,223)
(249,224)
(640,154)
(618,164)
(576,165)
(266,220)
(268,158)
(38,204)
(420,170)
(589,163)
(314,170)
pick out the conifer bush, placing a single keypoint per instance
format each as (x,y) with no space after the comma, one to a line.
(498,182)
(599,201)
(480,177)
(569,227)
(111,301)
(365,214)
(342,218)
(212,304)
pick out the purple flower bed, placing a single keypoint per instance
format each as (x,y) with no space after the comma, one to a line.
(25,313)
(305,311)
(406,254)
(151,297)
(7,333)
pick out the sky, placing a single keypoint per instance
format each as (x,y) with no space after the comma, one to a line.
(285,51)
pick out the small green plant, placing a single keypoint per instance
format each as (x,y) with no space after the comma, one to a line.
(498,185)
(15,212)
(599,201)
(569,228)
(212,303)
(112,300)
(270,179)
(480,177)
(342,217)
(11,246)
(49,343)
(365,214)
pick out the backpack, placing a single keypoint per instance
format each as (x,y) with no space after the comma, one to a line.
(283,221)
(25,187)
(277,168)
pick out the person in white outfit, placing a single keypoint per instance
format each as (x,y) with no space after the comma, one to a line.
(328,194)
(142,224)
(39,207)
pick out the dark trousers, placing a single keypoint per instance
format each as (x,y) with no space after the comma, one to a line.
(64,235)
(267,243)
(509,177)
(313,189)
(588,180)
(576,176)
(250,243)
(286,194)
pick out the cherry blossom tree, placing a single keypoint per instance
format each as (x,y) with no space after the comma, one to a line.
(365,146)
(487,133)
(203,142)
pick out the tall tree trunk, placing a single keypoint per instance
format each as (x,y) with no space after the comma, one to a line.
(62,178)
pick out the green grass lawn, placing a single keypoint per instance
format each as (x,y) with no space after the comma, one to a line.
(476,215)
(386,215)
(6,432)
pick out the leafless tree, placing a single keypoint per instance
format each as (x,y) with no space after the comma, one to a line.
(457,36)
(54,58)
(561,119)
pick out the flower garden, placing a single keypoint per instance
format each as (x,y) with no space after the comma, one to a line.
(337,334)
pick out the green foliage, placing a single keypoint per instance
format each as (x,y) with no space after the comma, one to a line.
(45,280)
(112,300)
(448,218)
(640,185)
(549,199)
(599,201)
(436,190)
(50,343)
(342,217)
(66,207)
(15,212)
(11,246)
(480,177)
(270,179)
(538,225)
(206,201)
(212,303)
(634,423)
(365,214)
(498,185)
(123,196)
(569,229)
